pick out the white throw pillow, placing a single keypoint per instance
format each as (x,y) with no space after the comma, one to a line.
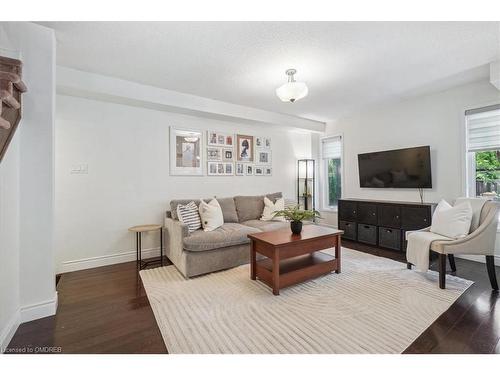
(211,215)
(270,208)
(453,222)
(188,214)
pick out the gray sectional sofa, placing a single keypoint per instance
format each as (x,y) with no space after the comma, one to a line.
(228,246)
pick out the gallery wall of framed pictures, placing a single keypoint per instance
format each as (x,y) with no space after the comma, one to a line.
(225,154)
(251,155)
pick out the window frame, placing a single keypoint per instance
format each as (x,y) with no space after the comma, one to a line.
(468,162)
(323,175)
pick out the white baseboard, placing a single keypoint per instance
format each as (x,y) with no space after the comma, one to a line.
(9,330)
(39,310)
(105,260)
(479,258)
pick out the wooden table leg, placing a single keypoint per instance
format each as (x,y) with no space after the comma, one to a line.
(337,254)
(276,272)
(253,261)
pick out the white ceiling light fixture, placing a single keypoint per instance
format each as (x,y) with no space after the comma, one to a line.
(292,90)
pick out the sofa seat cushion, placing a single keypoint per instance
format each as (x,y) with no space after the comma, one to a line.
(266,226)
(229,234)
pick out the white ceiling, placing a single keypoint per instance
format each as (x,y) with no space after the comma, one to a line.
(347,65)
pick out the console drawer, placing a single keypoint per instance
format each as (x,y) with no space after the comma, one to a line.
(347,210)
(349,229)
(413,218)
(390,238)
(367,213)
(367,234)
(389,216)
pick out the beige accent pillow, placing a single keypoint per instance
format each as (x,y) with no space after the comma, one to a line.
(270,208)
(453,222)
(211,215)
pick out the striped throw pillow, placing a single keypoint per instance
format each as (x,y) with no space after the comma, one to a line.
(188,214)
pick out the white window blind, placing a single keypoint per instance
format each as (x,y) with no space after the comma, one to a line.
(483,128)
(332,148)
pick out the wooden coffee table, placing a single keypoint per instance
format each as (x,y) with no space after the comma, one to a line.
(290,258)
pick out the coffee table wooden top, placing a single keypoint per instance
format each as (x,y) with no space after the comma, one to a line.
(283,237)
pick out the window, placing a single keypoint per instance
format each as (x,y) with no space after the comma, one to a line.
(483,152)
(331,167)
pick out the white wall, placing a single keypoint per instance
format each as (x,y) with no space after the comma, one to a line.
(128,182)
(436,120)
(9,243)
(26,193)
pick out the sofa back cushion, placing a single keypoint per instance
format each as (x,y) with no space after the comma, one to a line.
(251,207)
(228,210)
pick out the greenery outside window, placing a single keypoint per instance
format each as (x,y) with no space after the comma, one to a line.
(331,176)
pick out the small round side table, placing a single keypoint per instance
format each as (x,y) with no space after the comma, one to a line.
(138,230)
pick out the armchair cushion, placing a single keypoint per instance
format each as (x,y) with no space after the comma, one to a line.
(453,222)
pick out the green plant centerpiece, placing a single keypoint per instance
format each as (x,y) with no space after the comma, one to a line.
(296,216)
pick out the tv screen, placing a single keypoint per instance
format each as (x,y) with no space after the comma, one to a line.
(404,168)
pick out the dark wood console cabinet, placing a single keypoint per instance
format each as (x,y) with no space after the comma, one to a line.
(382,223)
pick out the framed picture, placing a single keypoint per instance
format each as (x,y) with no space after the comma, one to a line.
(228,169)
(212,138)
(220,168)
(229,140)
(214,154)
(268,171)
(249,170)
(185,152)
(263,157)
(244,145)
(259,170)
(212,168)
(221,139)
(259,142)
(267,143)
(227,154)
(240,169)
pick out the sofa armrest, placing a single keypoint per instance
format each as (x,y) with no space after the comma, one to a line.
(175,234)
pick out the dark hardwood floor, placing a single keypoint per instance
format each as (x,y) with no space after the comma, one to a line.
(105,310)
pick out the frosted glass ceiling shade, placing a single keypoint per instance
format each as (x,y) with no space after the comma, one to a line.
(292,90)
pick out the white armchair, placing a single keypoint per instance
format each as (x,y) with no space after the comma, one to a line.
(481,241)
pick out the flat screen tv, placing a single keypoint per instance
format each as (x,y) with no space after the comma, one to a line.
(403,168)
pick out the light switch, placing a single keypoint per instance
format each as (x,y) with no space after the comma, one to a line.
(79,169)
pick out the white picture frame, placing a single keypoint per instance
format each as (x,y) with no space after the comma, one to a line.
(217,168)
(229,140)
(212,168)
(212,138)
(267,143)
(259,170)
(268,171)
(214,154)
(186,152)
(263,157)
(228,169)
(248,169)
(259,142)
(227,154)
(218,139)
(239,169)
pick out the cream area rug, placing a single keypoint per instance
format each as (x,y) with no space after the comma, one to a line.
(375,305)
